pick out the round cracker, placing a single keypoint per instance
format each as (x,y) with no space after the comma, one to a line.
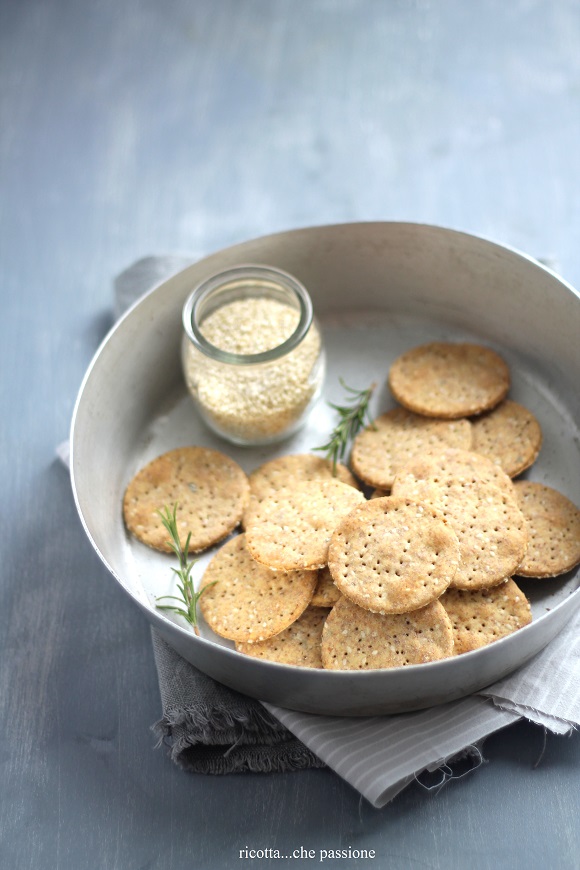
(209,488)
(356,639)
(392,555)
(383,448)
(450,466)
(510,436)
(249,602)
(292,530)
(481,616)
(284,472)
(298,645)
(326,593)
(554,530)
(477,499)
(448,380)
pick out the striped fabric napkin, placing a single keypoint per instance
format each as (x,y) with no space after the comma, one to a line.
(381,755)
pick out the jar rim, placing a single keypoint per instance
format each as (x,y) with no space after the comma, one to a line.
(246,271)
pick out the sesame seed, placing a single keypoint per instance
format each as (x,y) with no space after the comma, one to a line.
(257,401)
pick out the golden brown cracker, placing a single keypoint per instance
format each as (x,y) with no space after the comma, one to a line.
(510,436)
(293,530)
(248,602)
(451,466)
(209,488)
(326,593)
(297,645)
(383,448)
(357,639)
(478,501)
(392,555)
(442,379)
(553,523)
(482,616)
(285,472)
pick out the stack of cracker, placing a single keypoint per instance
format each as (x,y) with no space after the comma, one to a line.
(420,570)
(454,446)
(294,507)
(268,593)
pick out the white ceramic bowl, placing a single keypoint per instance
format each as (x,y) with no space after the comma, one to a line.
(377,289)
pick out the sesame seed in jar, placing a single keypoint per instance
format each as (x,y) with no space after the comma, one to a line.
(250,326)
(254,402)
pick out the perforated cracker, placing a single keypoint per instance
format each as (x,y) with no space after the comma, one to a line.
(448,380)
(381,450)
(485,516)
(326,593)
(554,530)
(249,602)
(357,639)
(210,489)
(285,472)
(392,555)
(480,617)
(293,530)
(510,436)
(297,645)
(449,466)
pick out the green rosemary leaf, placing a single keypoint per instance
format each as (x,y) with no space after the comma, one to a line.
(188,596)
(352,417)
(168,597)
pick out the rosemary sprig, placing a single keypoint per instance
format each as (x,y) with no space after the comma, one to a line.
(189,597)
(351,418)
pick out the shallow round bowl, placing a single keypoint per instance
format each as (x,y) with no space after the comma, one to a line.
(377,289)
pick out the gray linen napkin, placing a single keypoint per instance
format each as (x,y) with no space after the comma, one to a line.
(212,729)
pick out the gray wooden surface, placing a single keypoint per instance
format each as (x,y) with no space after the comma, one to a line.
(131,127)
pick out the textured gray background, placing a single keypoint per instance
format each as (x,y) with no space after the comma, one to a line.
(131,127)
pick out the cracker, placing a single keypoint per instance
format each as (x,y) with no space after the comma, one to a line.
(383,448)
(293,530)
(448,380)
(285,472)
(510,436)
(210,489)
(481,616)
(326,593)
(554,529)
(392,555)
(356,639)
(298,645)
(478,501)
(449,466)
(249,602)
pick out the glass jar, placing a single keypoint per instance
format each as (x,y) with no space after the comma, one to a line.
(252,353)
